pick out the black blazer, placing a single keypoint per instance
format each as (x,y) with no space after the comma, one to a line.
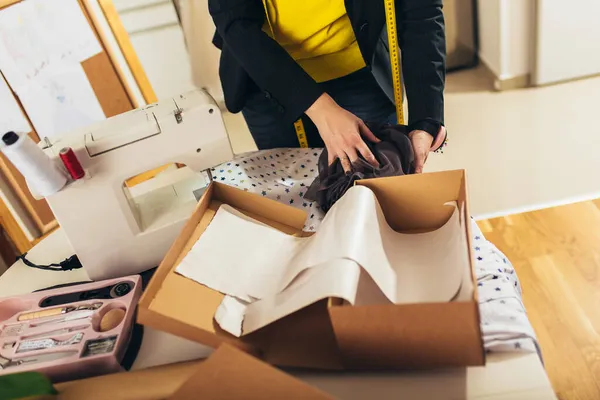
(252,61)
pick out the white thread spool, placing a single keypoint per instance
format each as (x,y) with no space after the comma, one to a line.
(40,172)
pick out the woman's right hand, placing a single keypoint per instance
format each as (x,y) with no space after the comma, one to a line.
(342,132)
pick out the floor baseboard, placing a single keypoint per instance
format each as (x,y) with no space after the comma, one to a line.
(515,82)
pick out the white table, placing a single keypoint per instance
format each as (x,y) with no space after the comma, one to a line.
(509,376)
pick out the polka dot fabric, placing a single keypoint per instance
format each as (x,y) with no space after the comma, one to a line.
(281,174)
(285,175)
(504,321)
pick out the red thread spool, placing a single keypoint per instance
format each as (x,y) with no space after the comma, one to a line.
(72,164)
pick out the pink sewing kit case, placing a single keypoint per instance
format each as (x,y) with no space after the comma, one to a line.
(69,332)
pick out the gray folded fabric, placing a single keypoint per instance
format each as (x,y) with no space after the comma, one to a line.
(394,154)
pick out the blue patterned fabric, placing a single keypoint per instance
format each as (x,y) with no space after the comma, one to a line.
(280,174)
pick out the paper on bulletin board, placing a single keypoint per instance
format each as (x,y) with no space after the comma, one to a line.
(11,116)
(22,50)
(36,34)
(60,100)
(72,37)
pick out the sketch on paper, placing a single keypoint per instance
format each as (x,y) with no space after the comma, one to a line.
(61,100)
(35,34)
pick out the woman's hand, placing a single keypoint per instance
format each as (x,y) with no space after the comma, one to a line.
(342,132)
(422,142)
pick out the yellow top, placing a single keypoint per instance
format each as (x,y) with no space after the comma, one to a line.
(317,34)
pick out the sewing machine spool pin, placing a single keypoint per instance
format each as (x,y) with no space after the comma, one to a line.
(178,113)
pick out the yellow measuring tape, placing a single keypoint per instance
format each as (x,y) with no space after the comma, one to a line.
(390,17)
(301,133)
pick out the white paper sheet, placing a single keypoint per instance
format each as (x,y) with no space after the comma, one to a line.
(72,38)
(60,99)
(251,262)
(36,34)
(11,116)
(22,44)
(337,278)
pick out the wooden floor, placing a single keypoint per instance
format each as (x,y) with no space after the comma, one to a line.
(556,253)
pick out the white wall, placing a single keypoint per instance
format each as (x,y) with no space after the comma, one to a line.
(517,37)
(506,36)
(199,30)
(489,34)
(157,38)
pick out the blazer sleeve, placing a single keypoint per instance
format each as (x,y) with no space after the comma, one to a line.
(239,23)
(422,41)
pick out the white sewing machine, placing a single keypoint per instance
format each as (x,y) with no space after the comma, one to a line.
(118,228)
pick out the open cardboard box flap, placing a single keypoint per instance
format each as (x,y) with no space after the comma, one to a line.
(227,374)
(329,334)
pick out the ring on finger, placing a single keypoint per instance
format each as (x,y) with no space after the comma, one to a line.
(345,160)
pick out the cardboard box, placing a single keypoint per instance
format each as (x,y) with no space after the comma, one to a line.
(330,334)
(227,374)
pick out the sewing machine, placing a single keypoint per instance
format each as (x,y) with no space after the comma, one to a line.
(118,227)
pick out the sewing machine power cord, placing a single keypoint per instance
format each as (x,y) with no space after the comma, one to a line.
(67,264)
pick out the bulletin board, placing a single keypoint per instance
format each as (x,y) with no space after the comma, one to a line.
(112,96)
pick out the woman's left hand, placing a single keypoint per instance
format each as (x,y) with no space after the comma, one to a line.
(421,142)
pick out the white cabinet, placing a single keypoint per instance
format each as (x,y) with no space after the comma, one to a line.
(567,40)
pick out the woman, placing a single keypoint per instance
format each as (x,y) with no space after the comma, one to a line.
(325,62)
